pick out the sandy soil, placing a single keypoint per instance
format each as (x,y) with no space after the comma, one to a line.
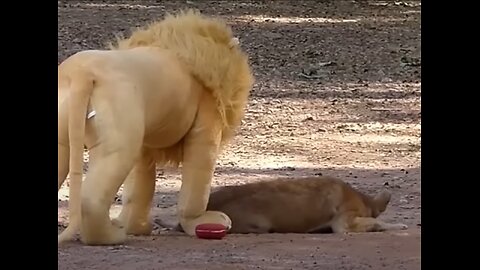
(337,93)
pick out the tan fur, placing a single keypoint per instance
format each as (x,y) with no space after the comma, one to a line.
(172,93)
(205,46)
(301,205)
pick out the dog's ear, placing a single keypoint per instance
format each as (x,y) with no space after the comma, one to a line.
(381,201)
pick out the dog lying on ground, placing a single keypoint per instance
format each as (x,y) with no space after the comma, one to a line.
(301,205)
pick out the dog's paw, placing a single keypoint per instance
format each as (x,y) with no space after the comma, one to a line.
(399,226)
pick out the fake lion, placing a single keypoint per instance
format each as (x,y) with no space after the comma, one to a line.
(172,93)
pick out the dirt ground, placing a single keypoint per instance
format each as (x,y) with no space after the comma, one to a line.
(337,93)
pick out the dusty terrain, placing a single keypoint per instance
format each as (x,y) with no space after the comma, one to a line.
(337,92)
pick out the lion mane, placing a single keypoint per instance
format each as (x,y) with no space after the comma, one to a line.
(208,48)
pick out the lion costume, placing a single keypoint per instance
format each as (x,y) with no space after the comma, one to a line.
(172,93)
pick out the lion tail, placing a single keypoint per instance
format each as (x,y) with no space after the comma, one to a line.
(81,88)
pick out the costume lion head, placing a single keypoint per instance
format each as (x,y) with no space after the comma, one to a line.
(208,48)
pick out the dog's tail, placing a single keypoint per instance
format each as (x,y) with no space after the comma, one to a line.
(81,87)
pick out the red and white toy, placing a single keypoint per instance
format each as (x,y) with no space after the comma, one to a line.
(211,231)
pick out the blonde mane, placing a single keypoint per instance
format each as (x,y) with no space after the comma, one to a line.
(208,48)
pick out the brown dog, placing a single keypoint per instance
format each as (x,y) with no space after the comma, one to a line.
(301,205)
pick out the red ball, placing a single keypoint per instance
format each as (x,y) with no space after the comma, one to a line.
(210,231)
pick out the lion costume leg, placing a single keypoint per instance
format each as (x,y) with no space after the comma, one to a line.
(137,197)
(201,147)
(63,146)
(98,193)
(63,151)
(120,137)
(74,208)
(63,169)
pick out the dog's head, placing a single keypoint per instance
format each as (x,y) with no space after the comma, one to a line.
(380,202)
